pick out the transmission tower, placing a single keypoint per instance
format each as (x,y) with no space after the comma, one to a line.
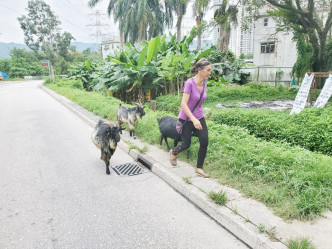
(98,34)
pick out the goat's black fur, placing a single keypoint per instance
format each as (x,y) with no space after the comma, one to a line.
(105,136)
(167,128)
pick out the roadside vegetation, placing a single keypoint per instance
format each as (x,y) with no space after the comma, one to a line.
(293,181)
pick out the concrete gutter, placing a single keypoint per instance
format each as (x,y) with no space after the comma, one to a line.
(241,216)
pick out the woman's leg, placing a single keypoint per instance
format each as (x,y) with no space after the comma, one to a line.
(186,138)
(203,137)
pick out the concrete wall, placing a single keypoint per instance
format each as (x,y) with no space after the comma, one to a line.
(284,54)
(109,46)
(272,75)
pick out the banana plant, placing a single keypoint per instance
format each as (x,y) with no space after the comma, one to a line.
(135,67)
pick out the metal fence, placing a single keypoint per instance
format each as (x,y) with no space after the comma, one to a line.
(34,77)
(272,75)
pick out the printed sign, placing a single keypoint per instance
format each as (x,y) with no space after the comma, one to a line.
(325,94)
(45,63)
(302,95)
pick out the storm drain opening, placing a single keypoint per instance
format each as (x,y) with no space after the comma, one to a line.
(128,169)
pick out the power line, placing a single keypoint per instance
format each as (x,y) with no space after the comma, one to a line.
(98,25)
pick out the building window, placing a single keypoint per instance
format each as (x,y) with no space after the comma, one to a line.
(266,21)
(267,47)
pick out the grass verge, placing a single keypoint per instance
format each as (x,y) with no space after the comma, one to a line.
(293,181)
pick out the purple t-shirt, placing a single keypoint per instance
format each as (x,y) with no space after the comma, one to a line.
(191,88)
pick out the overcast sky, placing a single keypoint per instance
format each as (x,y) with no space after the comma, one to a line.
(75,16)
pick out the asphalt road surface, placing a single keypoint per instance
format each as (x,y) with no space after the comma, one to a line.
(54,192)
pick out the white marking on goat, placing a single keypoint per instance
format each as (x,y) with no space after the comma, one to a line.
(112,144)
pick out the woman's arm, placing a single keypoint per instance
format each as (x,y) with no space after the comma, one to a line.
(187,111)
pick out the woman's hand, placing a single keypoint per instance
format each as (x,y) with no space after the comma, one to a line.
(197,124)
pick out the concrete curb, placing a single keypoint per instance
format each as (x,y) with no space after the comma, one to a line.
(245,231)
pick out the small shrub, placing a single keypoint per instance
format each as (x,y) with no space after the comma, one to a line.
(187,180)
(302,243)
(219,198)
(261,228)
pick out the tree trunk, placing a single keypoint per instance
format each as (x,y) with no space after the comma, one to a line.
(199,33)
(179,23)
(318,44)
(223,38)
(121,39)
(321,57)
(52,76)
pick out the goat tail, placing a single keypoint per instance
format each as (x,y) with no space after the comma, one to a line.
(100,122)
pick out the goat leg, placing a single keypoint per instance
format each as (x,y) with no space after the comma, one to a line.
(107,168)
(166,142)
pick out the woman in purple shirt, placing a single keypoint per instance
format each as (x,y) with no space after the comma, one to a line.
(192,90)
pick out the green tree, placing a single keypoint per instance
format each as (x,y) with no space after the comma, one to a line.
(42,32)
(224,16)
(199,9)
(138,20)
(180,9)
(25,63)
(312,18)
(5,66)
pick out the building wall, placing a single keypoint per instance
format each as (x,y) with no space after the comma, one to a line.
(284,53)
(109,46)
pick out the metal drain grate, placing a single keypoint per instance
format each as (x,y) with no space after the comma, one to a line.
(128,169)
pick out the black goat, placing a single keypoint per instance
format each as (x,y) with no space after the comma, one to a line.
(130,115)
(105,136)
(167,127)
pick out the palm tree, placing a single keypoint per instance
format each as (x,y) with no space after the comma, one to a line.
(199,9)
(224,17)
(180,8)
(138,20)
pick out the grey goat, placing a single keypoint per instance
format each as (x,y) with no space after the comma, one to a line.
(105,136)
(130,116)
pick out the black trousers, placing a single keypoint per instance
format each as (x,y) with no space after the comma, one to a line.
(203,137)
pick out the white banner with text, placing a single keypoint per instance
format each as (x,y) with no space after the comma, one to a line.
(302,95)
(325,94)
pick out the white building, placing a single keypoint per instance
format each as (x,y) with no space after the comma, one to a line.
(109,45)
(272,48)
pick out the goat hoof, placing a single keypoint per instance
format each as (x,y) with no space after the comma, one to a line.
(108,172)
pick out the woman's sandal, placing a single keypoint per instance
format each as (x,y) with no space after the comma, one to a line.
(173,161)
(202,174)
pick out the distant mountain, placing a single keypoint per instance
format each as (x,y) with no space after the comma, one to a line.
(6,47)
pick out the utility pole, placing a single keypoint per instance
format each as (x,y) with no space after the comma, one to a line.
(98,25)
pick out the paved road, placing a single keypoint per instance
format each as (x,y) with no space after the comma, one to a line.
(55,193)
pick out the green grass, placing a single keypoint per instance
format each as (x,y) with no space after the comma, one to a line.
(296,183)
(310,129)
(187,180)
(302,243)
(230,94)
(261,228)
(219,198)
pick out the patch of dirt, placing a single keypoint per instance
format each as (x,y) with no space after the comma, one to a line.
(272,105)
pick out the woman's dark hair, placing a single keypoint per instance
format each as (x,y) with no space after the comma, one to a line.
(200,65)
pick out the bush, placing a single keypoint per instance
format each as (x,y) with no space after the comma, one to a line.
(311,129)
(248,92)
(293,181)
(169,103)
(71,83)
